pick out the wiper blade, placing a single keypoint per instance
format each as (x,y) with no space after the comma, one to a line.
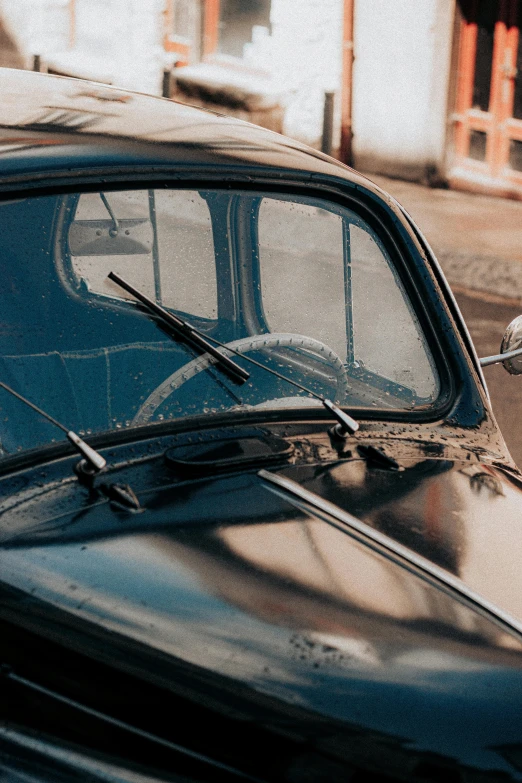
(346,425)
(184,330)
(94,460)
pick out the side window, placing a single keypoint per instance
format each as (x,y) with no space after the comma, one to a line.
(161,243)
(349,295)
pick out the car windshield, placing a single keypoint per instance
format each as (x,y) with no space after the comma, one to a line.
(300,284)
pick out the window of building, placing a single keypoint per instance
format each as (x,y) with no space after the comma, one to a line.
(183,29)
(237,19)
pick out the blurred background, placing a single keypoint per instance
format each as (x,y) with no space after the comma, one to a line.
(423,96)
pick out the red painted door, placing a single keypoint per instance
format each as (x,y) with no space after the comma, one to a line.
(488,118)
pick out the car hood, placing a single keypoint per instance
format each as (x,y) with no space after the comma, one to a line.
(222,574)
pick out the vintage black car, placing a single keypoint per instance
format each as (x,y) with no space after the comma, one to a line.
(257,520)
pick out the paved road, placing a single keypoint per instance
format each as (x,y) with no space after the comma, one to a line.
(477,239)
(487,321)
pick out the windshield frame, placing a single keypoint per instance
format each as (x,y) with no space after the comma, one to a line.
(412,272)
(250,313)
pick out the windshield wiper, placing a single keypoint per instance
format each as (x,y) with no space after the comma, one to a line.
(184,330)
(346,425)
(121,495)
(94,462)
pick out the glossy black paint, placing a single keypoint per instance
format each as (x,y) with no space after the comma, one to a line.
(218,617)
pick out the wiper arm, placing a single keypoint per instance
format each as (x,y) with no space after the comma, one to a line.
(94,461)
(184,330)
(346,425)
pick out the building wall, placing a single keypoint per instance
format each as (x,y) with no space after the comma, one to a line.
(120,42)
(304,54)
(400,86)
(117,41)
(140,60)
(400,78)
(36,26)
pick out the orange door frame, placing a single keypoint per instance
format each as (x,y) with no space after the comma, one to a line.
(345,152)
(210,27)
(494,173)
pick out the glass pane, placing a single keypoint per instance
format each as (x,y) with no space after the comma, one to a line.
(186,252)
(515,154)
(187,271)
(91,270)
(304,286)
(477,145)
(236,20)
(386,335)
(359,310)
(486,18)
(301,251)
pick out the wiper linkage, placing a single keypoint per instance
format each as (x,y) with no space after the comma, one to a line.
(184,329)
(121,495)
(94,462)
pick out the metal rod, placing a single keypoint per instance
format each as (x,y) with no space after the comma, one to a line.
(328,120)
(110,210)
(34,407)
(348,297)
(500,357)
(165,88)
(155,247)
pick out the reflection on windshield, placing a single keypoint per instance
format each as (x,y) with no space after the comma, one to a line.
(312,278)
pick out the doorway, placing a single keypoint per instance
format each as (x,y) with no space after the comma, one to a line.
(488,118)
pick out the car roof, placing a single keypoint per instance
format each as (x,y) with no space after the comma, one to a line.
(54,123)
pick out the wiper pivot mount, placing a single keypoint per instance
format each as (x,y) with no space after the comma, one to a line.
(92,461)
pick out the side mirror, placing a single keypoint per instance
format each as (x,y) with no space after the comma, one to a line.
(512,341)
(510,349)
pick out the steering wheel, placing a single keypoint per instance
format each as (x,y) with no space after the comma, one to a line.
(243,345)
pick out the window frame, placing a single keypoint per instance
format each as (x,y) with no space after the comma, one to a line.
(413,275)
(189,49)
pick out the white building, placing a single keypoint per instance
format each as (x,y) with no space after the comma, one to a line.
(424,89)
